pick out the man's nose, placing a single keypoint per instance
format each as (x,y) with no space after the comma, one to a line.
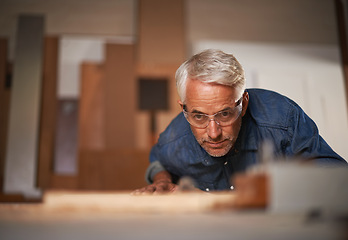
(213,129)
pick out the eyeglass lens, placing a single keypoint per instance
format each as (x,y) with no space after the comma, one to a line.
(223,118)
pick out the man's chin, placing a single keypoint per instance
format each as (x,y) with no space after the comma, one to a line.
(217,149)
(217,152)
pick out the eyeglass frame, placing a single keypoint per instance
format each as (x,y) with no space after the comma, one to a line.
(212,116)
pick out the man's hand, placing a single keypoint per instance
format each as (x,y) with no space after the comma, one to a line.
(162,183)
(157,187)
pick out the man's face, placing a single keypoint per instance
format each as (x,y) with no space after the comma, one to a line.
(210,99)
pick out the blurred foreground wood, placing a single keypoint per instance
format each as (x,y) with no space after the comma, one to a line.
(62,203)
(250,192)
(126,203)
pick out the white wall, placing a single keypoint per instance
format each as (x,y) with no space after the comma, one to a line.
(73,51)
(311,75)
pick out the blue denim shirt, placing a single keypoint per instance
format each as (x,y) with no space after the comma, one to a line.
(270,116)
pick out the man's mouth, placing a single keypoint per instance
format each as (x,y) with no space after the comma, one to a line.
(216,144)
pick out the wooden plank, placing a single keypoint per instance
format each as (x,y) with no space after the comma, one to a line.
(4,107)
(342,26)
(118,169)
(17,198)
(161,48)
(161,32)
(91,109)
(48,111)
(124,202)
(63,182)
(120,96)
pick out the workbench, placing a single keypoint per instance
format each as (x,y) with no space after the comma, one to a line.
(192,215)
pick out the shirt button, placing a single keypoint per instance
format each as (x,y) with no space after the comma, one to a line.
(231,187)
(207,189)
(225,163)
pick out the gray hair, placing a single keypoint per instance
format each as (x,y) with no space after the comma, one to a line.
(210,66)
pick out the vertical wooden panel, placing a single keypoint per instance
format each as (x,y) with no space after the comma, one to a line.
(120,96)
(107,123)
(163,118)
(161,32)
(22,147)
(4,106)
(48,111)
(110,169)
(342,26)
(91,112)
(160,51)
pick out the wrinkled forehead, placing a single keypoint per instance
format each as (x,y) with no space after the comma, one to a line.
(204,87)
(210,97)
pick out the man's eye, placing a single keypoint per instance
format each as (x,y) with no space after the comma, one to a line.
(198,117)
(225,114)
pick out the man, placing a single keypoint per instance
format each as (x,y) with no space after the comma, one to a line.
(222,126)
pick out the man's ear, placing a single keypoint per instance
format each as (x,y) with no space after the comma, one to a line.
(181,104)
(245,102)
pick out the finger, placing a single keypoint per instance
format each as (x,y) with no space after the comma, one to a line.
(144,190)
(160,189)
(137,191)
(175,188)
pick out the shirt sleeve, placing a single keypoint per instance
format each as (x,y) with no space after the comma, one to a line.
(155,165)
(306,142)
(154,168)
